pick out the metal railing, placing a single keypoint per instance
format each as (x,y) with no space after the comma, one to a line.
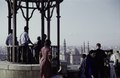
(26,54)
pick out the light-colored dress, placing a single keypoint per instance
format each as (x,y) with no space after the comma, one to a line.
(45,63)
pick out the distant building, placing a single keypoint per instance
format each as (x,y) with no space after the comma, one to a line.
(75,57)
(64,55)
(72,56)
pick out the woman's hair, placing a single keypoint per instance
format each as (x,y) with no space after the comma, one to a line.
(84,55)
(90,52)
(47,42)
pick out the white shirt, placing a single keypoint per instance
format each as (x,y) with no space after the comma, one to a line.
(24,38)
(114,57)
(9,40)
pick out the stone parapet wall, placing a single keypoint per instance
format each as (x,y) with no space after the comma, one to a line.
(8,70)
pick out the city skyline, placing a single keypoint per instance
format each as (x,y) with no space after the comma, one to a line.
(81,21)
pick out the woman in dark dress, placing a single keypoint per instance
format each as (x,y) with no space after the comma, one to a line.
(90,65)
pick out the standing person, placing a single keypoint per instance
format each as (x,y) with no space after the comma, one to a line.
(37,47)
(99,61)
(115,58)
(9,42)
(45,60)
(90,69)
(42,43)
(83,66)
(24,41)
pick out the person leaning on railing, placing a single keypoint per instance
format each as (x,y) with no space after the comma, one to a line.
(24,43)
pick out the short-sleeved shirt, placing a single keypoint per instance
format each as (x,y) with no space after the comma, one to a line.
(114,57)
(24,38)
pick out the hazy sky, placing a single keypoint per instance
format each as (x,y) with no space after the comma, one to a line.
(81,20)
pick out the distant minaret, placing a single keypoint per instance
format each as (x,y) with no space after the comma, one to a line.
(64,46)
(82,50)
(88,47)
(84,47)
(64,50)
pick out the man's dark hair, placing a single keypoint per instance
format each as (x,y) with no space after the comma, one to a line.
(44,36)
(98,44)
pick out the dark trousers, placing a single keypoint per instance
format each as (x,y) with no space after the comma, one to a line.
(27,55)
(37,56)
(24,53)
(9,54)
(100,72)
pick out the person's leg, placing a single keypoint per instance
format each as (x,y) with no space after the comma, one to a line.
(101,72)
(8,53)
(24,54)
(37,56)
(11,54)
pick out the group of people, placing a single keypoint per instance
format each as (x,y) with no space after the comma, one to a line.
(43,53)
(93,64)
(24,50)
(100,64)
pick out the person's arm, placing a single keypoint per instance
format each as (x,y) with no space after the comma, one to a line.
(7,41)
(28,39)
(104,54)
(40,55)
(30,42)
(50,54)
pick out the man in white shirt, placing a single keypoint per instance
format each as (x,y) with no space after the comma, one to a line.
(115,58)
(24,37)
(24,41)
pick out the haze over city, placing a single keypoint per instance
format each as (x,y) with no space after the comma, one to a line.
(81,20)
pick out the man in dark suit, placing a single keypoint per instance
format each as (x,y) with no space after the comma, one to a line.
(99,61)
